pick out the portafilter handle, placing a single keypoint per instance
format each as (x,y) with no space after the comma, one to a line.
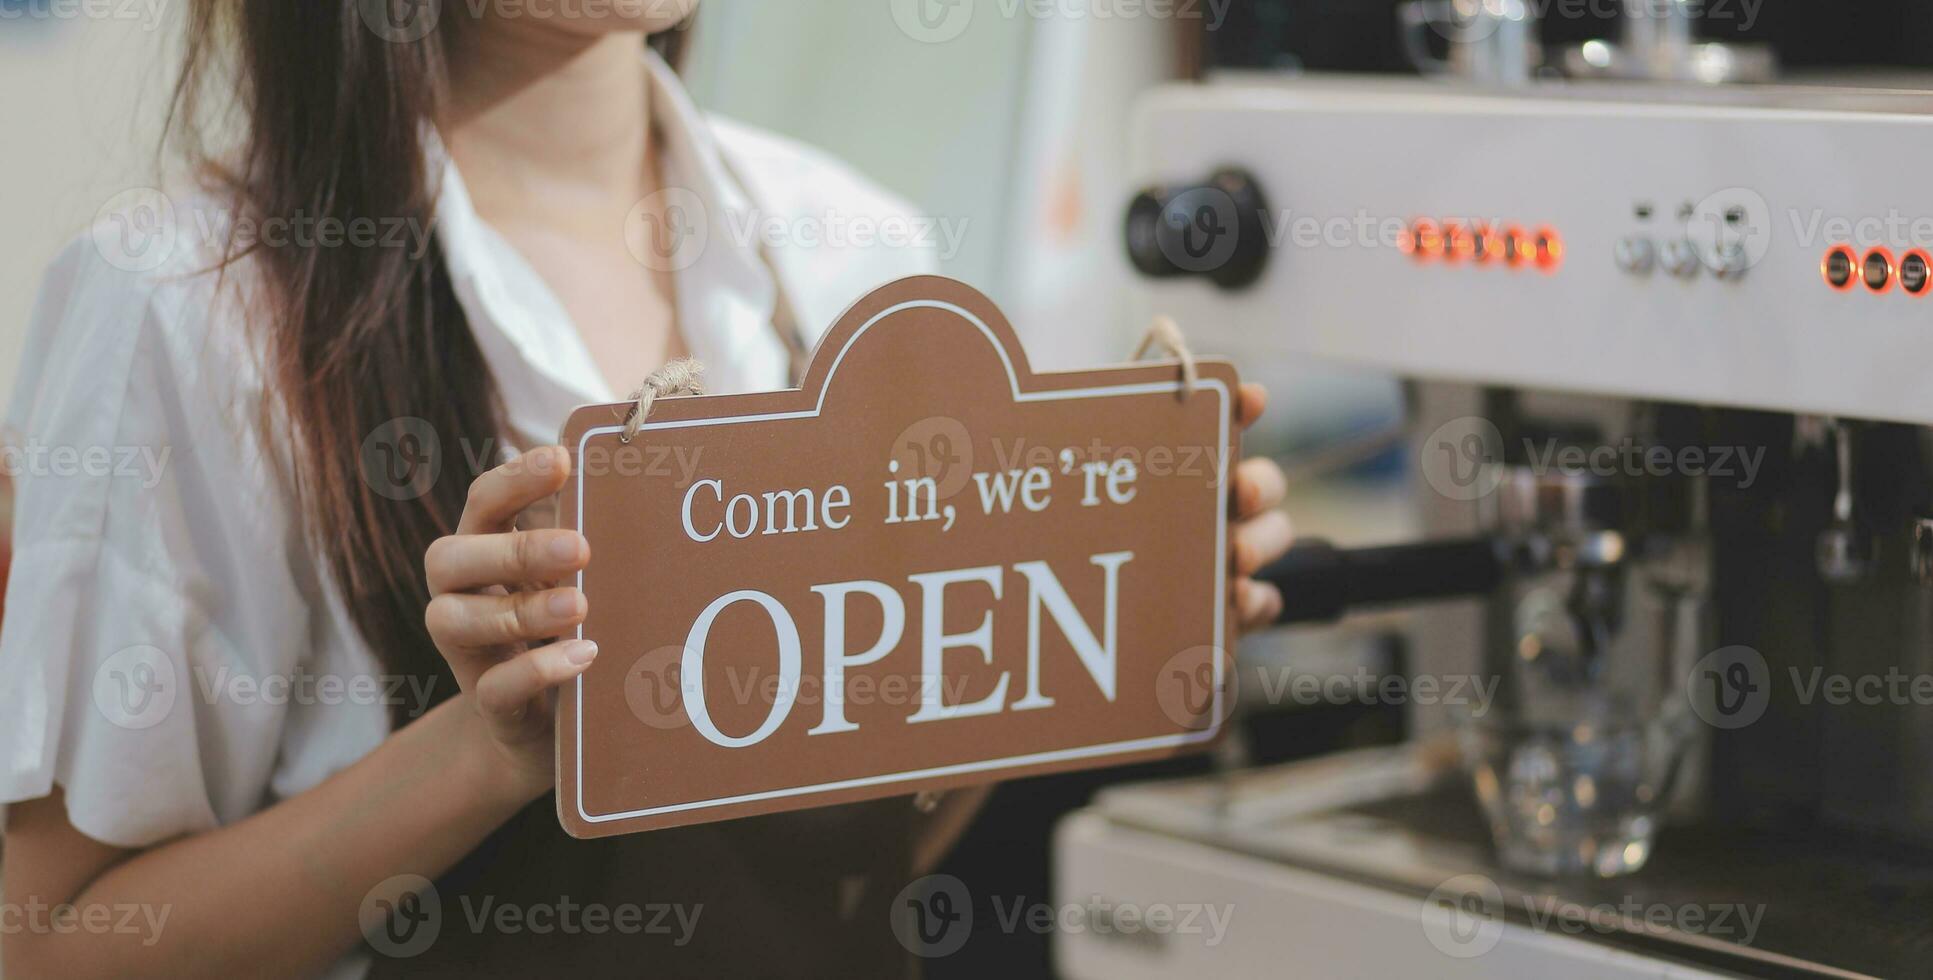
(1320,582)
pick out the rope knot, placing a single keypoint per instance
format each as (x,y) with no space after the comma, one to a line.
(1166,334)
(683,376)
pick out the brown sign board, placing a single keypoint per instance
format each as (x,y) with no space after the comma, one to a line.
(927,567)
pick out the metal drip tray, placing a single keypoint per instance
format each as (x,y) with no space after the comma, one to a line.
(1821,903)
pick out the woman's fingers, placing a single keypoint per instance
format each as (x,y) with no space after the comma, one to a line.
(505,692)
(1257,604)
(1264,532)
(465,562)
(1259,542)
(470,622)
(497,497)
(1260,485)
(1250,403)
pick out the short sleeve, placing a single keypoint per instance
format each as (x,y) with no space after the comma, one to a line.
(147,572)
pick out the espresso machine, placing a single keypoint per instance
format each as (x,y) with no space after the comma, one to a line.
(1661,341)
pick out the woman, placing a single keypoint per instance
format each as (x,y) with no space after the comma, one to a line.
(148,762)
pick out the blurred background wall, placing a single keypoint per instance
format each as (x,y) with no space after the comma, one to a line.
(81,103)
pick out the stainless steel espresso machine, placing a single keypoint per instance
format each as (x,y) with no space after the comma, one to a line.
(1666,349)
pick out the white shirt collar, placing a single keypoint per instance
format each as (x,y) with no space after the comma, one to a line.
(726,295)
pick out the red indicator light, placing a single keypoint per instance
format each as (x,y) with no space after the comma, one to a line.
(1422,241)
(1915,272)
(1489,244)
(1517,248)
(1458,243)
(1549,249)
(1840,268)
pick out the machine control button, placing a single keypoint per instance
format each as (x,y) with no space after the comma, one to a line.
(1681,258)
(1731,261)
(1213,229)
(1636,254)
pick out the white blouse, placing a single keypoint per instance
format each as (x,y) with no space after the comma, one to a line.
(174,654)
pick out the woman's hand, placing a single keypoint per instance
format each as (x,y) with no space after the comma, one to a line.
(495,611)
(1262,533)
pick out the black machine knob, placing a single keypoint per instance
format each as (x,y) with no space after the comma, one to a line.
(1215,230)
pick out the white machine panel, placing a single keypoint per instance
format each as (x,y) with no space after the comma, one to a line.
(1281,921)
(1756,185)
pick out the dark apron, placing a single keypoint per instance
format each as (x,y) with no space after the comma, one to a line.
(803,894)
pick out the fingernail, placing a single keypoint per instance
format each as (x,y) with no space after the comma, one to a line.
(580,652)
(567,547)
(565,603)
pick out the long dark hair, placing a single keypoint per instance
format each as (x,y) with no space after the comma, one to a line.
(357,337)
